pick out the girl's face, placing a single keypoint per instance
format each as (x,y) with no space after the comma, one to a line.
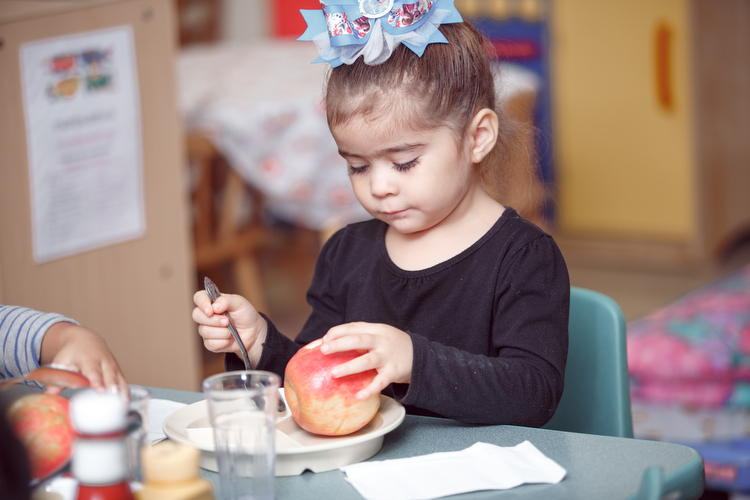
(413,180)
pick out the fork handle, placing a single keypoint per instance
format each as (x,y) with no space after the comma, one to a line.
(243,350)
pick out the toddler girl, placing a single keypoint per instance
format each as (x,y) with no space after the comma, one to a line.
(458,303)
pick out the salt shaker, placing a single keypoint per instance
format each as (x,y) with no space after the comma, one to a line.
(100,460)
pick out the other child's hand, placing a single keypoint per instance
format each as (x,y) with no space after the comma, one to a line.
(85,351)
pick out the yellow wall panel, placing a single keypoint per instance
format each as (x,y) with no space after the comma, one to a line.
(625,163)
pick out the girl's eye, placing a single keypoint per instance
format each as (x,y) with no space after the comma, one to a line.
(403,167)
(357,170)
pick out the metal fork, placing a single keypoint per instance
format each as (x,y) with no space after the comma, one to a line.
(213,293)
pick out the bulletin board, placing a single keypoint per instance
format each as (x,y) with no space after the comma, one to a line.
(130,276)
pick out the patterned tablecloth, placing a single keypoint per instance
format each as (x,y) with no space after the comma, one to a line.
(261,105)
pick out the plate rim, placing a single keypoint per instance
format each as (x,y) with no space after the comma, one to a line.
(392,406)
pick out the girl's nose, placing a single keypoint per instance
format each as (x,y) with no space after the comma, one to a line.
(381,182)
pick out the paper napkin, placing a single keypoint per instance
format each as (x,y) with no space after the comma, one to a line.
(482,466)
(158,411)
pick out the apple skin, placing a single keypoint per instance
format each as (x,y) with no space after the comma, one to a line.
(324,405)
(42,424)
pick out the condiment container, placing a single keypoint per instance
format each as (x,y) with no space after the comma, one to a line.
(100,461)
(170,472)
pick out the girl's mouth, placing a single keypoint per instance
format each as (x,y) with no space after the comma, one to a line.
(396,213)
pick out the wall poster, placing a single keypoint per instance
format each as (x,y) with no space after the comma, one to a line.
(83,129)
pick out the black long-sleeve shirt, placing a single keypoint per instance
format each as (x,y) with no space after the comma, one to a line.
(489,326)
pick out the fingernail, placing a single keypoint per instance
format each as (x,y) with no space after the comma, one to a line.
(361,395)
(335,371)
(325,348)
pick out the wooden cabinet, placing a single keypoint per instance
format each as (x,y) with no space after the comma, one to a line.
(136,293)
(651,125)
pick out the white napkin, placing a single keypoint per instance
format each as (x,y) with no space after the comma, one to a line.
(482,466)
(158,411)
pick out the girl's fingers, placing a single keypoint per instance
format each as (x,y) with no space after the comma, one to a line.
(222,304)
(215,333)
(351,336)
(376,387)
(217,339)
(231,302)
(199,315)
(219,345)
(347,329)
(359,364)
(203,302)
(348,343)
(217,320)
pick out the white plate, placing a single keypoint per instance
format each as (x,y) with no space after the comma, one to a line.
(296,449)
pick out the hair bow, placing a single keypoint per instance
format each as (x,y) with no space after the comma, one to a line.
(374,28)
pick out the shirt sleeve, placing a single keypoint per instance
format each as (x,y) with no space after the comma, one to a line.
(523,382)
(278,349)
(21,334)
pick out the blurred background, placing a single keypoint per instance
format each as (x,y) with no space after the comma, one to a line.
(641,116)
(641,126)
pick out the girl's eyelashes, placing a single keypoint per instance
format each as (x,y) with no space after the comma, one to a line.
(357,170)
(401,167)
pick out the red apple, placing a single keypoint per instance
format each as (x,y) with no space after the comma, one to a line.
(322,404)
(42,424)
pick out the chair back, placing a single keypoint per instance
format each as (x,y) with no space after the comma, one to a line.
(596,398)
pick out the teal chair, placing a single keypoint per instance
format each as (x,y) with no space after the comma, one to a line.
(596,399)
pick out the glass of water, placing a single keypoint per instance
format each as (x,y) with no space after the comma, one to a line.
(242,409)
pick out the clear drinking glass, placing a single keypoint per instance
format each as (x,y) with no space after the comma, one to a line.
(138,438)
(242,408)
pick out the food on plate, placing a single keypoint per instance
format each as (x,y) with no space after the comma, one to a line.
(42,424)
(322,404)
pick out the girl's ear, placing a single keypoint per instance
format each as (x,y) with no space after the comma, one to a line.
(482,134)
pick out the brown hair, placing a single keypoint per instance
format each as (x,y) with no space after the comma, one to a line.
(446,86)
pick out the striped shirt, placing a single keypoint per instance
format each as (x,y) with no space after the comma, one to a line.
(21,333)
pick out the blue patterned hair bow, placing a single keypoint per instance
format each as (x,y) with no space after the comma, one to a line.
(374,28)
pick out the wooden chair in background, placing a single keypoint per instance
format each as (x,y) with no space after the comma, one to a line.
(227,228)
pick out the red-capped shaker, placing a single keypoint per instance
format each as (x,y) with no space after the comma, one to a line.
(100,458)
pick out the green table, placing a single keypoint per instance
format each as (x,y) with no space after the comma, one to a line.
(599,467)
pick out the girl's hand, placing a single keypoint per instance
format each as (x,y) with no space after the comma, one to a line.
(389,352)
(212,324)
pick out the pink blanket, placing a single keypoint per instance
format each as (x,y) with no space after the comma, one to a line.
(695,351)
